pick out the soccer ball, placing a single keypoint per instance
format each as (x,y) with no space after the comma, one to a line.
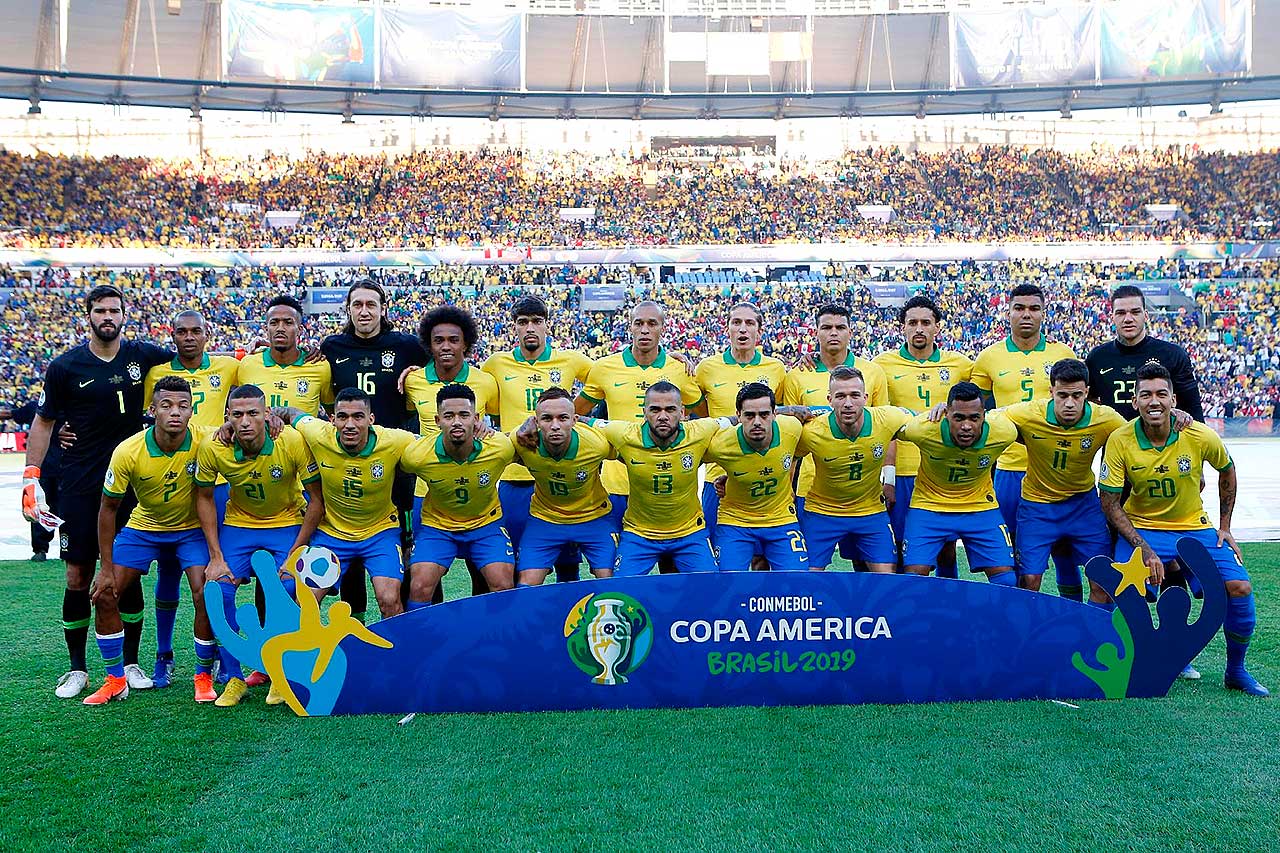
(318,567)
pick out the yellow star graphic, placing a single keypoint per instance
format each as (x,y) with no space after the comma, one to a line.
(1133,573)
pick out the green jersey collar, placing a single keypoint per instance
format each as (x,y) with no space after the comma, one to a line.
(629,359)
(434,378)
(570,453)
(755,359)
(646,437)
(1052,417)
(269,361)
(177,364)
(518,355)
(1145,443)
(821,367)
(368,445)
(977,445)
(906,353)
(839,433)
(747,449)
(267,447)
(153,449)
(1012,347)
(476,447)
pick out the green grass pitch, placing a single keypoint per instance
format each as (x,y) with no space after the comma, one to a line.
(1195,771)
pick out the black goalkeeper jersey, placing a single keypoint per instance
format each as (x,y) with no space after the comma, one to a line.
(101,402)
(1113,369)
(374,365)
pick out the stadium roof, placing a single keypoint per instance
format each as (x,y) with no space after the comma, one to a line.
(576,66)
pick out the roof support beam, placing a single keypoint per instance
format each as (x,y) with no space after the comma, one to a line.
(128,35)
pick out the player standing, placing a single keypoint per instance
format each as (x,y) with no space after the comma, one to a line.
(283,371)
(159,465)
(1162,468)
(96,389)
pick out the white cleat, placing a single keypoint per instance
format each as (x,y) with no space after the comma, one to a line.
(1190,673)
(72,684)
(137,679)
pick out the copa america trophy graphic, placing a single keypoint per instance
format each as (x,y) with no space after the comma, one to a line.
(609,639)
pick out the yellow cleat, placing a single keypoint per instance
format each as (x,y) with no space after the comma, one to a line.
(232,693)
(274,697)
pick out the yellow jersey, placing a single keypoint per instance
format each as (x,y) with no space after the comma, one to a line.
(619,382)
(720,377)
(1012,376)
(847,467)
(460,495)
(164,483)
(211,382)
(758,491)
(356,486)
(664,502)
(266,490)
(812,387)
(569,490)
(1060,458)
(300,385)
(955,479)
(919,386)
(1165,480)
(520,382)
(422,385)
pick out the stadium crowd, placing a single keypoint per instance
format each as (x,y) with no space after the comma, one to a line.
(437,197)
(1230,332)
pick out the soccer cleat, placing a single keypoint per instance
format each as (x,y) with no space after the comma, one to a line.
(162,675)
(220,675)
(1189,673)
(39,557)
(257,679)
(71,684)
(137,679)
(1245,683)
(273,696)
(114,687)
(204,687)
(233,693)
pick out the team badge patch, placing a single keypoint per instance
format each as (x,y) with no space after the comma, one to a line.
(388,359)
(555,377)
(483,479)
(686,461)
(135,372)
(111,477)
(215,381)
(945,374)
(786,462)
(877,451)
(1184,464)
(1104,472)
(376,471)
(191,468)
(1086,443)
(581,476)
(64,542)
(277,473)
(984,460)
(303,386)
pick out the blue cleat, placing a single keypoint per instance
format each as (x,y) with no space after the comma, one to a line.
(1245,683)
(162,675)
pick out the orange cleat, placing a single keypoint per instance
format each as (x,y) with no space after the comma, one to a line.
(257,679)
(114,687)
(204,687)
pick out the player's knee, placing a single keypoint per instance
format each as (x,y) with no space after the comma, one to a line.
(499,580)
(78,577)
(1239,589)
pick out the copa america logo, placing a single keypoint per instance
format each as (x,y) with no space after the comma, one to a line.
(786,462)
(608,636)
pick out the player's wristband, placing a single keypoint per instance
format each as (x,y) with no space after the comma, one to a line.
(889,475)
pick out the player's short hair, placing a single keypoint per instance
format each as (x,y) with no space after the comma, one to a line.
(963,392)
(662,386)
(833,309)
(1027,289)
(172,383)
(750,305)
(1128,291)
(384,325)
(1069,370)
(919,301)
(102,291)
(246,392)
(646,303)
(455,391)
(755,391)
(529,306)
(204,324)
(347,395)
(448,315)
(843,373)
(1152,370)
(553,393)
(287,301)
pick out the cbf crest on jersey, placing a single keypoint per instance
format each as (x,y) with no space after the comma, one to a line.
(483,479)
(135,371)
(277,473)
(686,461)
(1086,442)
(303,386)
(191,468)
(877,450)
(388,359)
(984,460)
(1184,464)
(215,381)
(581,476)
(555,377)
(376,471)
(945,374)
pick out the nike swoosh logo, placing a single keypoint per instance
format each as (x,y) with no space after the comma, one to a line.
(739,473)
(341,360)
(899,375)
(1039,437)
(326,465)
(1138,468)
(1002,373)
(830,458)
(620,384)
(434,482)
(718,384)
(636,462)
(1105,372)
(86,384)
(508,378)
(146,478)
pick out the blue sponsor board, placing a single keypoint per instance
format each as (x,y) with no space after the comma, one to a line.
(782,638)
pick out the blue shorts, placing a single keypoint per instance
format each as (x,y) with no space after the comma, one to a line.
(986,540)
(380,552)
(221,494)
(239,543)
(1077,522)
(619,504)
(869,537)
(710,510)
(848,549)
(637,555)
(483,546)
(544,542)
(903,489)
(783,546)
(1164,543)
(137,549)
(1008,489)
(515,498)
